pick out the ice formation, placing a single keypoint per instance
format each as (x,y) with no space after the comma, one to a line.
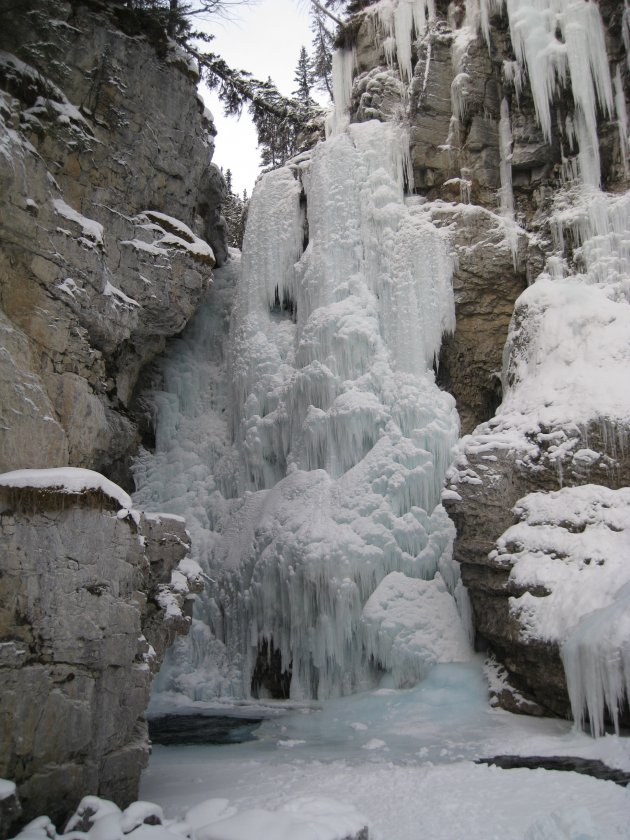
(318,474)
(396,23)
(566,345)
(561,44)
(328,474)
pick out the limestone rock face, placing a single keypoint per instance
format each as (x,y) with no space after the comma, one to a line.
(489,177)
(471,358)
(109,212)
(487,480)
(87,609)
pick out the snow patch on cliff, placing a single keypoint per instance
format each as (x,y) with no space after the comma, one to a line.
(571,551)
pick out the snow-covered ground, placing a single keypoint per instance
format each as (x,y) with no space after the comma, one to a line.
(404,759)
(400,762)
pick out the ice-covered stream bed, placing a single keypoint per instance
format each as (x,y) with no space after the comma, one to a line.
(404,759)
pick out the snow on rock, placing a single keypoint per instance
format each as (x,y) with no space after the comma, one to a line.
(92,230)
(7,789)
(570,557)
(306,818)
(179,235)
(66,480)
(411,625)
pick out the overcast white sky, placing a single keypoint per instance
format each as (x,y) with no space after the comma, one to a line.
(265,39)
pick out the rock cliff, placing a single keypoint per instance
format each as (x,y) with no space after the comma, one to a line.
(495,160)
(110,224)
(89,604)
(109,217)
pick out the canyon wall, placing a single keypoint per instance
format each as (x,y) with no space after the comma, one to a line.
(514,196)
(110,224)
(109,221)
(89,605)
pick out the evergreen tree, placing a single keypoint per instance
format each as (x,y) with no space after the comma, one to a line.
(281,123)
(235,213)
(304,78)
(323,38)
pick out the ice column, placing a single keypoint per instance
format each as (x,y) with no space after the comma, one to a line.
(342,426)
(340,435)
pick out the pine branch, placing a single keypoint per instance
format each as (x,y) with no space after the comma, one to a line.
(242,87)
(326,11)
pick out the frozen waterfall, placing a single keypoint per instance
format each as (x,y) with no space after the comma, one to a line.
(309,460)
(319,472)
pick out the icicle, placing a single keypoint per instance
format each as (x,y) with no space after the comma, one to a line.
(580,57)
(596,660)
(343,67)
(459,95)
(396,23)
(486,8)
(505,166)
(513,74)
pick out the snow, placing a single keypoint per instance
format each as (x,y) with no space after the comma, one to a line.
(66,480)
(119,296)
(308,818)
(7,789)
(70,287)
(571,359)
(421,745)
(147,247)
(92,230)
(411,625)
(136,814)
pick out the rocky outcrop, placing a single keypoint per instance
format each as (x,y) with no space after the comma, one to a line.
(89,601)
(491,475)
(471,358)
(507,195)
(109,216)
(110,225)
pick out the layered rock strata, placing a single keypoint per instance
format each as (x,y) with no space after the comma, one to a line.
(109,224)
(90,597)
(511,193)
